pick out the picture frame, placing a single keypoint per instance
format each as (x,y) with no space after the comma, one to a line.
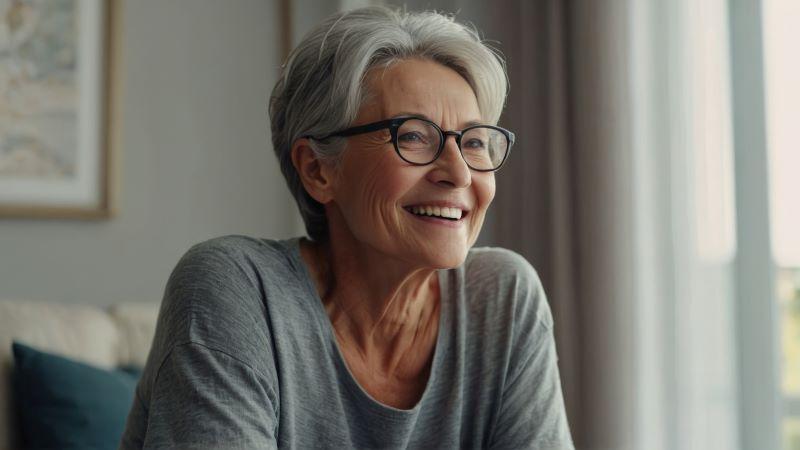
(57,130)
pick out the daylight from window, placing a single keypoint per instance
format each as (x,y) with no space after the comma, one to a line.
(782,72)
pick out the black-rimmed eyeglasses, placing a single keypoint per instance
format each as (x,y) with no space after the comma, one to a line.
(420,142)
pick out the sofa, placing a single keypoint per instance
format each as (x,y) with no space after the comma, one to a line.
(106,337)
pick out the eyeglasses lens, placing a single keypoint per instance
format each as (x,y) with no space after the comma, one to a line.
(418,141)
(484,148)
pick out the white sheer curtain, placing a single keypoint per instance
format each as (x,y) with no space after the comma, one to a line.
(659,116)
(684,219)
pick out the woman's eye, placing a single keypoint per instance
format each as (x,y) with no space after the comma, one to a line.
(411,137)
(475,143)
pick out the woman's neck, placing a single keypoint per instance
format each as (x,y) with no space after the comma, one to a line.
(381,309)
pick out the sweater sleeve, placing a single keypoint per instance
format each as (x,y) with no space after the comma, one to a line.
(205,398)
(532,413)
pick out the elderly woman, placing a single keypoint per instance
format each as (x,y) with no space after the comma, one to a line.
(385,329)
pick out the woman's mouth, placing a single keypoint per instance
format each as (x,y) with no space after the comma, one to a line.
(451,217)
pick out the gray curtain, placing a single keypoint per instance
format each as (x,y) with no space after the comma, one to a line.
(563,200)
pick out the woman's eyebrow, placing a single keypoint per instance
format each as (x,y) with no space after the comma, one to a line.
(413,114)
(466,124)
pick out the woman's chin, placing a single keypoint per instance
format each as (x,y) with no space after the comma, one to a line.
(446,258)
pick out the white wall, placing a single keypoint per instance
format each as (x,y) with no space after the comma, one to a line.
(195,159)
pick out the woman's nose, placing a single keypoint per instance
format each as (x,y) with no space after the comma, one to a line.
(452,167)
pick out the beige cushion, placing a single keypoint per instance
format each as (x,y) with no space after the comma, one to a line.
(136,323)
(107,338)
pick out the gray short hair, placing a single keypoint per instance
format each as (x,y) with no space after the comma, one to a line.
(320,89)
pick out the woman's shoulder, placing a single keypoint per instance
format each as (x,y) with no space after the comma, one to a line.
(485,258)
(216,295)
(225,277)
(497,265)
(237,257)
(237,246)
(499,281)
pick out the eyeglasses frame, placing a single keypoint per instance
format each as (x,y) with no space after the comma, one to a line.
(394,125)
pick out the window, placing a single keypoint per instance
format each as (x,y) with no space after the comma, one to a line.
(789,308)
(781,75)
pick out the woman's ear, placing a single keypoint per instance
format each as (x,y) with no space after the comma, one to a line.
(316,175)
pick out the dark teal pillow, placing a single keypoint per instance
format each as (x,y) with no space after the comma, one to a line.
(66,404)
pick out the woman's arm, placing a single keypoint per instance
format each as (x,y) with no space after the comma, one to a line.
(532,413)
(205,398)
(207,382)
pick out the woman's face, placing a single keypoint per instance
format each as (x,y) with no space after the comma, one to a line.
(375,188)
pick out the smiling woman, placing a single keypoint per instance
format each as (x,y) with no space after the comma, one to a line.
(386,328)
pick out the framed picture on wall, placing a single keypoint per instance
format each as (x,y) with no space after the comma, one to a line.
(55,108)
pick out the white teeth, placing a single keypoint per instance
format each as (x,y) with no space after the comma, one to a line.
(450,213)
